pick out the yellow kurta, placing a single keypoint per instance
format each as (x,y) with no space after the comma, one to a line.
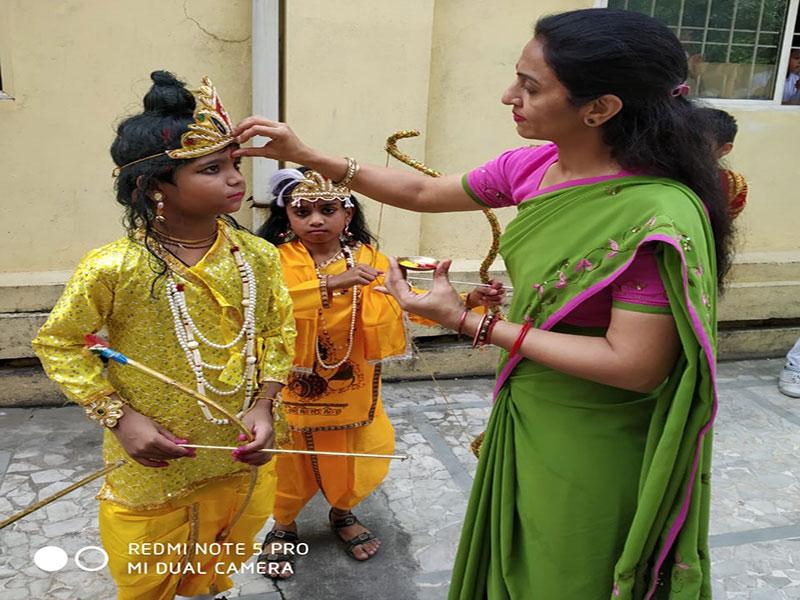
(336,409)
(111,289)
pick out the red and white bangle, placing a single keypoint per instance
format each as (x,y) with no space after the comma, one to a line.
(488,338)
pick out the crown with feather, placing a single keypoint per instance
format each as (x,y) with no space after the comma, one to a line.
(211,130)
(309,186)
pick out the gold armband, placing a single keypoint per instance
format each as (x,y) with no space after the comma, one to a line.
(279,423)
(107,411)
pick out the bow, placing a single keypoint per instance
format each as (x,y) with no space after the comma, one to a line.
(486,264)
(100,347)
(494,224)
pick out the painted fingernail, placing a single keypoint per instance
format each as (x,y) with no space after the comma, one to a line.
(242,437)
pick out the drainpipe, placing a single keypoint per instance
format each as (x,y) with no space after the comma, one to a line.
(266,77)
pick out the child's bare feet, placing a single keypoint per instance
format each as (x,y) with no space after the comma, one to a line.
(359,541)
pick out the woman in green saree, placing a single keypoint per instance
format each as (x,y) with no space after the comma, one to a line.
(593,480)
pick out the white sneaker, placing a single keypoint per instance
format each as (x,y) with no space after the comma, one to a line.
(789,383)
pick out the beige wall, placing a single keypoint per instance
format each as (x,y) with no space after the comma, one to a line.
(768,153)
(355,72)
(78,67)
(441,67)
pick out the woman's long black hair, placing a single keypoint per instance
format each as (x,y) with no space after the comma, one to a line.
(276,227)
(168,111)
(601,51)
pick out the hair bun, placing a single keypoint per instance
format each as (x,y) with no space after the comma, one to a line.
(168,95)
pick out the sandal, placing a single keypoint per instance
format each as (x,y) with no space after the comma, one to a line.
(346,521)
(269,558)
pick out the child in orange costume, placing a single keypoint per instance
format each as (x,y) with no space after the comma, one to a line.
(345,330)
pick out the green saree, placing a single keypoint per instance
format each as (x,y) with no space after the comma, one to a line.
(585,491)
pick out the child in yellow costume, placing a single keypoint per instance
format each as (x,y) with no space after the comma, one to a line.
(345,329)
(193,295)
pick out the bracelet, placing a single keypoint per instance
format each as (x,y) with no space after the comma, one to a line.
(461,321)
(526,327)
(280,426)
(486,326)
(490,329)
(352,169)
(323,291)
(107,411)
(478,331)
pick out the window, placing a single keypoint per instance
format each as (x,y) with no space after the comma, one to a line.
(737,49)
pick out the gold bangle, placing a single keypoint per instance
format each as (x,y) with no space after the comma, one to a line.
(107,411)
(352,169)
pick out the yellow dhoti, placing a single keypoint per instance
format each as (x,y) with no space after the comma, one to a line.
(155,554)
(345,481)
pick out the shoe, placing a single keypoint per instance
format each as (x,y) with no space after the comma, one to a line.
(789,383)
(347,520)
(272,561)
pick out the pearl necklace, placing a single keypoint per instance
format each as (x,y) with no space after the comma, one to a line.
(350,261)
(188,335)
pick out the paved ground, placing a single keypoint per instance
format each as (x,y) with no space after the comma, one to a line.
(418,510)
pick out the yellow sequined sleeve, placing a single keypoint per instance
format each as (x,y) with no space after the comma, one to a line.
(278,337)
(83,308)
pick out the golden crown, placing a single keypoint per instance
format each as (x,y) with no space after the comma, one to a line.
(211,131)
(314,187)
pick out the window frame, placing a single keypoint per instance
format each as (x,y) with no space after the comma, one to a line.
(6,91)
(783,62)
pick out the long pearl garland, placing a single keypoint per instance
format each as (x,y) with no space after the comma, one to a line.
(188,335)
(350,261)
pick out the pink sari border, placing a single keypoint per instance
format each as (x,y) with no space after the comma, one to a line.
(585,181)
(706,345)
(577,182)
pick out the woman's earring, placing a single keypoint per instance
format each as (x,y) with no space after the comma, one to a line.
(158,197)
(287,236)
(589,121)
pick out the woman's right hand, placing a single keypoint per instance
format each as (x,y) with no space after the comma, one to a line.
(359,275)
(283,144)
(147,442)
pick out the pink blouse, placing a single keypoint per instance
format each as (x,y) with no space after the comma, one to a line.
(516,176)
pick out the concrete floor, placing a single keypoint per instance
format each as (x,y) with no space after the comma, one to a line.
(418,510)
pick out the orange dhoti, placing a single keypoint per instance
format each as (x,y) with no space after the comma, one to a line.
(344,481)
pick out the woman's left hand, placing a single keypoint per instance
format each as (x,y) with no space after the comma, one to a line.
(441,303)
(259,421)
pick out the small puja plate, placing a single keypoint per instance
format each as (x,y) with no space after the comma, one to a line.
(418,263)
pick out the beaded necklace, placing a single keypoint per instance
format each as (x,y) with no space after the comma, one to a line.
(190,337)
(350,261)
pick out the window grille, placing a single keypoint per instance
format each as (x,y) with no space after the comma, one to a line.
(733,46)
